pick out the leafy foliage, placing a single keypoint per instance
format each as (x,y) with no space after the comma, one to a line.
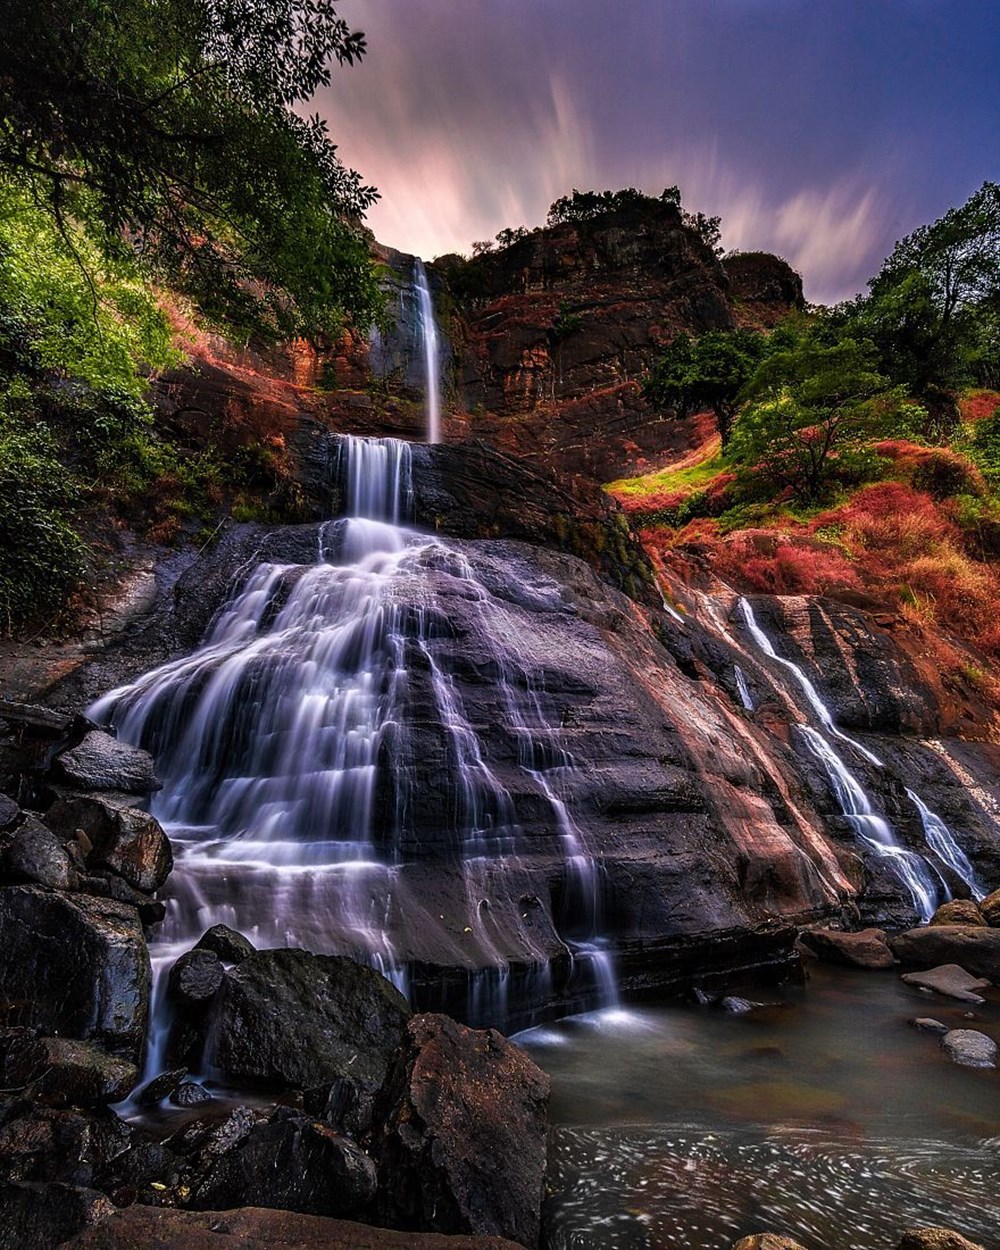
(586,205)
(170,129)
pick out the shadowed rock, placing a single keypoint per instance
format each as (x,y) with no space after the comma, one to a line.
(35,1217)
(866,949)
(122,838)
(230,946)
(975,949)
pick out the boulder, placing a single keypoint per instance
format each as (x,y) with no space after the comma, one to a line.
(34,1217)
(100,762)
(190,1094)
(75,966)
(195,977)
(32,852)
(958,911)
(970,1048)
(989,908)
(80,1075)
(160,1228)
(67,1145)
(10,813)
(230,946)
(973,948)
(928,1025)
(766,1241)
(462,1143)
(865,949)
(125,839)
(161,1086)
(950,980)
(291,1019)
(935,1239)
(291,1162)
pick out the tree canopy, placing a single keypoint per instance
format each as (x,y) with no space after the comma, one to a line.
(171,129)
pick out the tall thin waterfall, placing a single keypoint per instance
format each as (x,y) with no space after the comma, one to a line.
(282,744)
(432,352)
(922,881)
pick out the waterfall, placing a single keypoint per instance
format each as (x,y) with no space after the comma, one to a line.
(432,353)
(744,690)
(912,869)
(941,840)
(281,744)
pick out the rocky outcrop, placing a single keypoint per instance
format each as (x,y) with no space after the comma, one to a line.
(974,949)
(961,911)
(763,288)
(462,1148)
(100,762)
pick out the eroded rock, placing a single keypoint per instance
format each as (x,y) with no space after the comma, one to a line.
(865,949)
(122,838)
(961,911)
(975,949)
(100,762)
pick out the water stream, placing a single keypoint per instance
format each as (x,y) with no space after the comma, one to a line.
(432,352)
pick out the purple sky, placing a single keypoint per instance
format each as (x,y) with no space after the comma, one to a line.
(822,130)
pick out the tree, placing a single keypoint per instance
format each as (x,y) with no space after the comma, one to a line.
(708,372)
(810,415)
(932,309)
(171,128)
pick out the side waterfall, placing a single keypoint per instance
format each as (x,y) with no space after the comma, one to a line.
(279,744)
(432,352)
(924,884)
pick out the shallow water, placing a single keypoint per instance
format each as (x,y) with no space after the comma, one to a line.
(827,1117)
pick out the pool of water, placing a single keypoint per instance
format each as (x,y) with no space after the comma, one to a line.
(826,1116)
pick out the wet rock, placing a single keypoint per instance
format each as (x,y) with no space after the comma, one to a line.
(160,1087)
(292,1162)
(293,1019)
(865,949)
(75,966)
(975,949)
(211,1136)
(190,1094)
(346,1104)
(139,1173)
(463,1142)
(122,838)
(936,1239)
(970,1048)
(101,762)
(195,977)
(35,1217)
(10,813)
(32,852)
(108,885)
(67,1145)
(79,1074)
(230,946)
(737,1006)
(961,911)
(950,980)
(928,1025)
(159,1228)
(989,908)
(766,1241)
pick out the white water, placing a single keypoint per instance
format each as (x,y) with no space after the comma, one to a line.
(432,352)
(741,685)
(280,744)
(941,839)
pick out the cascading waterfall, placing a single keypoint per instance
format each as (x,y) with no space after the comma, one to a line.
(271,738)
(432,353)
(924,884)
(744,690)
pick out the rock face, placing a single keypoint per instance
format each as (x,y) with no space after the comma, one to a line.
(75,966)
(124,839)
(867,949)
(463,1146)
(155,1228)
(970,1048)
(763,288)
(974,949)
(292,1019)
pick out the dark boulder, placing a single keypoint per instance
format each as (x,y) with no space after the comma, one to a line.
(866,949)
(161,1086)
(463,1140)
(67,1145)
(74,966)
(72,1073)
(10,813)
(32,852)
(975,949)
(124,839)
(292,1162)
(36,1217)
(989,908)
(958,911)
(190,1094)
(936,1239)
(291,1019)
(230,946)
(970,1048)
(195,977)
(101,762)
(157,1228)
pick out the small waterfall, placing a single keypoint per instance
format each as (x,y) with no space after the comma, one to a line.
(432,353)
(912,869)
(281,744)
(741,685)
(942,841)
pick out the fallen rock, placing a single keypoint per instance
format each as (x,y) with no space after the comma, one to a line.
(32,852)
(958,911)
(462,1146)
(230,946)
(296,1020)
(989,908)
(125,839)
(195,977)
(75,966)
(67,1145)
(190,1094)
(973,948)
(928,1025)
(101,762)
(160,1228)
(35,1217)
(766,1241)
(936,1239)
(160,1087)
(291,1162)
(865,949)
(80,1075)
(970,1048)
(950,980)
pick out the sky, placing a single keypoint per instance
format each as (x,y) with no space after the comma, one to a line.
(822,130)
